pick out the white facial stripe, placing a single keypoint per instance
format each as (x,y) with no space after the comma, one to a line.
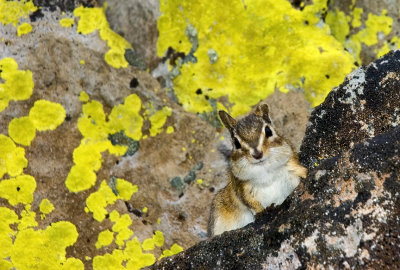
(261,139)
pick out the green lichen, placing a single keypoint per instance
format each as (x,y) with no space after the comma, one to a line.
(18,84)
(265,46)
(121,139)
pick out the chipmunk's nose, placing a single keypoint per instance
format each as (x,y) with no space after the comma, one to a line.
(257,154)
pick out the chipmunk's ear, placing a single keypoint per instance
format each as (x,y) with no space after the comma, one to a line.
(262,110)
(228,121)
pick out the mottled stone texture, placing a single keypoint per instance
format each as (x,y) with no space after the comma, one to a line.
(346,212)
(365,105)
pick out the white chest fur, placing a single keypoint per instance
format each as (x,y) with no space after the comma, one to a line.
(274,187)
(270,184)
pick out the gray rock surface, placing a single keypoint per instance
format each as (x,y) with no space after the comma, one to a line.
(345,213)
(136,21)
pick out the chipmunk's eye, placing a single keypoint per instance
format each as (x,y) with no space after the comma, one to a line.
(268,132)
(237,143)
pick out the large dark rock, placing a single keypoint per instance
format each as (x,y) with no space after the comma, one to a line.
(365,105)
(346,212)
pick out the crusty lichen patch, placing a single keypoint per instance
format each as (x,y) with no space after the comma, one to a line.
(92,19)
(12,157)
(340,24)
(12,11)
(18,84)
(24,29)
(264,46)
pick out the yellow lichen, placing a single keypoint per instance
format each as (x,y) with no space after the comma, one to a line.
(92,19)
(156,240)
(12,158)
(86,155)
(22,130)
(83,96)
(80,178)
(340,23)
(132,255)
(24,29)
(18,190)
(28,219)
(125,189)
(96,130)
(272,45)
(170,130)
(18,83)
(12,11)
(67,22)
(121,224)
(98,201)
(44,249)
(46,115)
(356,22)
(126,117)
(46,207)
(7,218)
(105,238)
(158,120)
(175,249)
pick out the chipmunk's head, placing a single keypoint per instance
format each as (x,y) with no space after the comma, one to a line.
(255,141)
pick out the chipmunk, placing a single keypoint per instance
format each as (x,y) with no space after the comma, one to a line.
(263,170)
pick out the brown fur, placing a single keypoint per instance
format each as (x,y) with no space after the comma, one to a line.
(230,201)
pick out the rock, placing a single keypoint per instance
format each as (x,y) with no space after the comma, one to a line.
(345,213)
(136,21)
(365,105)
(65,63)
(54,55)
